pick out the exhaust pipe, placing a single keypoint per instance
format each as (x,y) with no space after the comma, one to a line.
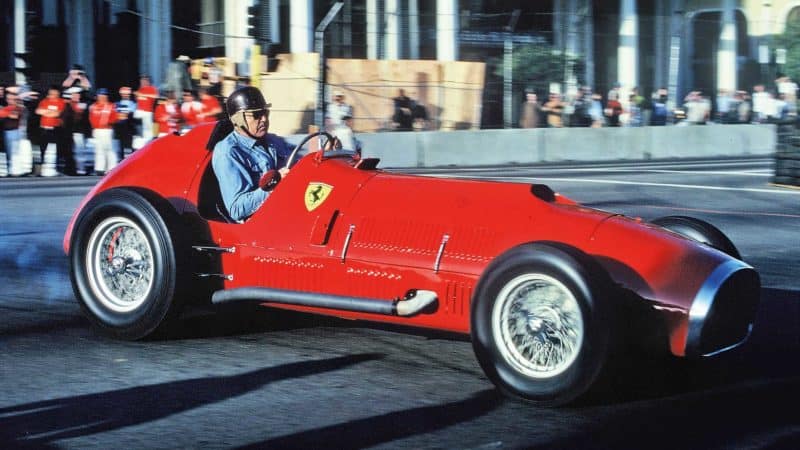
(413,303)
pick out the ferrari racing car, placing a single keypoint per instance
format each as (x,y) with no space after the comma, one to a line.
(546,289)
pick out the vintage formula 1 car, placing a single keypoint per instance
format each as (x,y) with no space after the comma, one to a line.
(545,287)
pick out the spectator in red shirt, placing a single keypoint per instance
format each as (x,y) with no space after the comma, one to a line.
(102,115)
(168,115)
(12,118)
(613,109)
(145,101)
(190,110)
(55,158)
(211,107)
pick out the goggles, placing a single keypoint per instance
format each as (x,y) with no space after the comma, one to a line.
(257,114)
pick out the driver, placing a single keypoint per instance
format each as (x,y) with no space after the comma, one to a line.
(248,162)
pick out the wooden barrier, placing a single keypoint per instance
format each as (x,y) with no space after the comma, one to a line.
(451,92)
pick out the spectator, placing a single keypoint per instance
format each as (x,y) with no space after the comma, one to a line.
(337,110)
(168,115)
(13,122)
(780,108)
(54,157)
(190,110)
(211,108)
(732,115)
(420,116)
(698,108)
(145,101)
(580,108)
(344,132)
(178,78)
(613,109)
(596,111)
(77,77)
(660,112)
(3,104)
(614,92)
(761,102)
(554,108)
(643,105)
(76,123)
(402,116)
(102,116)
(211,77)
(744,108)
(124,128)
(724,101)
(787,88)
(635,111)
(530,112)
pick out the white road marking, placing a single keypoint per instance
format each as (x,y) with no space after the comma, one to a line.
(643,183)
(746,173)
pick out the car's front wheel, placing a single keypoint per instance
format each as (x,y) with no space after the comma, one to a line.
(124,265)
(540,328)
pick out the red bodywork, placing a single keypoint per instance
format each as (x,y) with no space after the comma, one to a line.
(396,226)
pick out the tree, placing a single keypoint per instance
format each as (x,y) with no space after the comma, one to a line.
(535,66)
(790,40)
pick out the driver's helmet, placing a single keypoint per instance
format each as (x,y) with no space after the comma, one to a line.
(244,100)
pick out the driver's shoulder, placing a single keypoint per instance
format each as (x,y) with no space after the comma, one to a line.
(228,147)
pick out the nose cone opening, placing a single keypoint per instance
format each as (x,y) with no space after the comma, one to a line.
(724,310)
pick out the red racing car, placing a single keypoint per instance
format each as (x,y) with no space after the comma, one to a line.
(545,287)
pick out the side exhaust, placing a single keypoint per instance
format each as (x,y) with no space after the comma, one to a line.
(413,303)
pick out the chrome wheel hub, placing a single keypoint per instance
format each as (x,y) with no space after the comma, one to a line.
(119,262)
(538,325)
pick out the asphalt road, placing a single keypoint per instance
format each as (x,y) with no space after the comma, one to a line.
(269,379)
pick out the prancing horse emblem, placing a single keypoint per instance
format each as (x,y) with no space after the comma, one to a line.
(316,193)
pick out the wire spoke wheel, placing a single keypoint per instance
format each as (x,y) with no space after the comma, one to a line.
(540,322)
(127,264)
(538,325)
(120,264)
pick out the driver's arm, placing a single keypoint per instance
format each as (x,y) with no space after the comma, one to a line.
(240,192)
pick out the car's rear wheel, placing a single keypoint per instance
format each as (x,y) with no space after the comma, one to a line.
(540,327)
(700,231)
(124,265)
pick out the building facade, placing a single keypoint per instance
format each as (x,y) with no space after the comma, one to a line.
(683,45)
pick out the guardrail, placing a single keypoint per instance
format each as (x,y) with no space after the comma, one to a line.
(526,146)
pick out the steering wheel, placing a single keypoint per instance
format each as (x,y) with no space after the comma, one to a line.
(290,160)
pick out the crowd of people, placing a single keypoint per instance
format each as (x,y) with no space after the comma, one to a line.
(589,109)
(82,131)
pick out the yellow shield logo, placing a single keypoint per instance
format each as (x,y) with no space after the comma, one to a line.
(316,193)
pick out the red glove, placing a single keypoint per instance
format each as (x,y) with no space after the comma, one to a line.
(269,180)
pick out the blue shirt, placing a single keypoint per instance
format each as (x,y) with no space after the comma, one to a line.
(126,107)
(239,162)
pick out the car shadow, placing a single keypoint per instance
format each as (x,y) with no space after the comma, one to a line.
(637,374)
(38,424)
(371,431)
(770,353)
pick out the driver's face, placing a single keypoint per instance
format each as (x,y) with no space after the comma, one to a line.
(257,122)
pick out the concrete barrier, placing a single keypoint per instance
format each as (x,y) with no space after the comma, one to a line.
(525,146)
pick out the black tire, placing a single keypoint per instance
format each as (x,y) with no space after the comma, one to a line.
(700,231)
(571,273)
(124,263)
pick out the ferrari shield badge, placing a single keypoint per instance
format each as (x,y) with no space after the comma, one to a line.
(316,193)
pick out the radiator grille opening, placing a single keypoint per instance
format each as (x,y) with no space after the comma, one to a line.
(732,313)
